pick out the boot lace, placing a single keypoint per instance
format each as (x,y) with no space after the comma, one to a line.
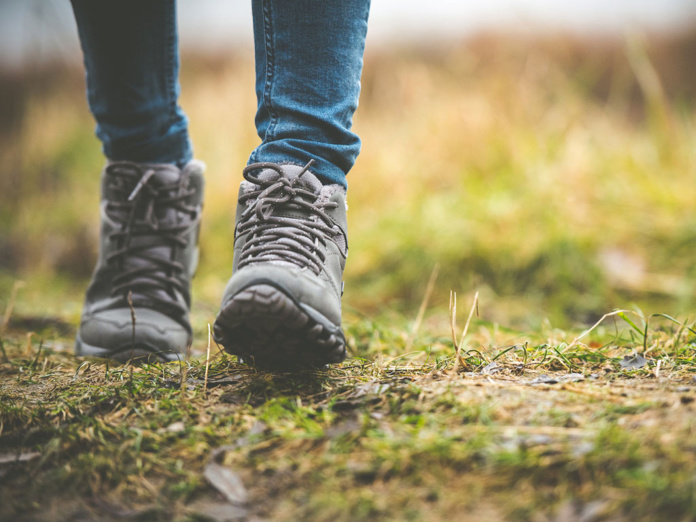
(143,209)
(297,239)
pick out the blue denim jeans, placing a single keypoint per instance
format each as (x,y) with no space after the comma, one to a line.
(309,57)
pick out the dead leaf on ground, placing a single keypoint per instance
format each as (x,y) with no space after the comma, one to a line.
(225,480)
(350,426)
(218,511)
(491,368)
(633,362)
(12,458)
(555,379)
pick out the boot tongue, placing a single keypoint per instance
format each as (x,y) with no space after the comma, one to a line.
(148,219)
(166,174)
(307,180)
(168,180)
(120,187)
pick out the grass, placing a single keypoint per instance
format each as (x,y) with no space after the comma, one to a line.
(555,178)
(548,427)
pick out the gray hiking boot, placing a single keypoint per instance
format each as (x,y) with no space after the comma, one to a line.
(282,306)
(137,304)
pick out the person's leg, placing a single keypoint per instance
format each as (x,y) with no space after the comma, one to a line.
(137,303)
(282,306)
(132,64)
(309,58)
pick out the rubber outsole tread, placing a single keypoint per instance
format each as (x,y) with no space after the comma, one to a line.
(268,329)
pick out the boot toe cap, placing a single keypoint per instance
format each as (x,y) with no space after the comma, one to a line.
(110,334)
(312,291)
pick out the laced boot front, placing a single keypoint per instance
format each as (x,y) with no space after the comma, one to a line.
(137,304)
(282,306)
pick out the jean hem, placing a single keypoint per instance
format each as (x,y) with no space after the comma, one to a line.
(178,152)
(324,170)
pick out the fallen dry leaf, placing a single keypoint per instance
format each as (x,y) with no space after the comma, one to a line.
(226,482)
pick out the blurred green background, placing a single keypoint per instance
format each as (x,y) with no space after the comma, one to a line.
(555,173)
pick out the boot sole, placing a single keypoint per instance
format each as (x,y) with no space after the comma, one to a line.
(140,354)
(268,328)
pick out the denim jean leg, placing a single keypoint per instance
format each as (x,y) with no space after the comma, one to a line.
(309,58)
(131,60)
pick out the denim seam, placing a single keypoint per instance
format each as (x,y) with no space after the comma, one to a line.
(171,77)
(182,141)
(270,70)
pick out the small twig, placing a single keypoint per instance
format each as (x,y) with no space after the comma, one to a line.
(187,355)
(77,370)
(130,381)
(27,349)
(207,365)
(401,357)
(184,377)
(474,307)
(540,430)
(453,320)
(610,314)
(10,305)
(221,350)
(595,395)
(423,306)
(682,327)
(38,353)
(132,311)
(4,353)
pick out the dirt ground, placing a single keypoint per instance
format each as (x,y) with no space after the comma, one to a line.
(516,438)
